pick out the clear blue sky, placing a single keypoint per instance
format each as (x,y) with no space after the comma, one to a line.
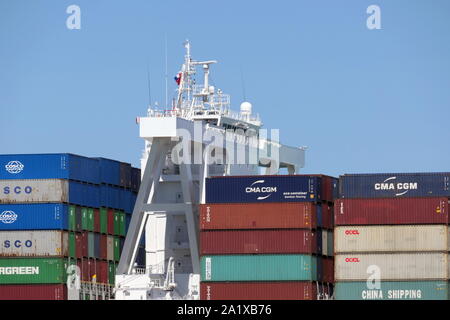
(362,100)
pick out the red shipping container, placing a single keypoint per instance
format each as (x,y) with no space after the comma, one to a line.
(258,241)
(83,265)
(33,292)
(391,211)
(96,220)
(298,215)
(328,269)
(327,216)
(84,241)
(102,271)
(292,290)
(103,246)
(81,245)
(110,221)
(92,269)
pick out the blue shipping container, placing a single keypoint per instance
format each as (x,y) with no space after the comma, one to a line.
(282,188)
(34,217)
(109,171)
(84,194)
(394,185)
(49,166)
(110,196)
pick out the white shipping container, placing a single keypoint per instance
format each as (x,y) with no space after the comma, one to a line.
(38,190)
(324,242)
(420,238)
(393,266)
(34,243)
(110,248)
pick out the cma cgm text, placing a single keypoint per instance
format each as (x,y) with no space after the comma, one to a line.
(396,186)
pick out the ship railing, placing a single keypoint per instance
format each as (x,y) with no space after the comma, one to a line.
(169,113)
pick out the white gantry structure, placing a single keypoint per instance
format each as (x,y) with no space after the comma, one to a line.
(198,137)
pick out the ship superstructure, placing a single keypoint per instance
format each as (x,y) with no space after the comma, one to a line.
(197,137)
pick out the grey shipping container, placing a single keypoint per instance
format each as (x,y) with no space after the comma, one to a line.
(36,243)
(110,248)
(417,238)
(391,266)
(91,245)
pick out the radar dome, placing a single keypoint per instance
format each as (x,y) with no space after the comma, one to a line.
(246,108)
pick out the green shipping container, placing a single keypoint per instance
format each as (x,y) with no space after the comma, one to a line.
(72,245)
(281,267)
(90,222)
(116,248)
(393,290)
(84,218)
(33,271)
(72,219)
(122,224)
(116,223)
(103,220)
(112,272)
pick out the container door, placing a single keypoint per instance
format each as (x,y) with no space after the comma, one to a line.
(90,224)
(103,221)
(72,219)
(84,218)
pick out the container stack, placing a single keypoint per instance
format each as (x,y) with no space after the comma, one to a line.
(59,212)
(267,238)
(392,237)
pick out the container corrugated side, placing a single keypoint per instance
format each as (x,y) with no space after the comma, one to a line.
(41,216)
(125,175)
(330,244)
(394,185)
(258,216)
(33,270)
(257,242)
(392,290)
(324,242)
(417,238)
(279,267)
(392,266)
(33,292)
(109,171)
(110,248)
(293,290)
(248,189)
(34,243)
(391,211)
(110,196)
(135,179)
(49,166)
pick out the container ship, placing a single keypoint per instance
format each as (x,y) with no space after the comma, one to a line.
(210,216)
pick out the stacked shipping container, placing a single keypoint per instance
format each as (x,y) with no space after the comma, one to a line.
(392,237)
(267,237)
(58,210)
